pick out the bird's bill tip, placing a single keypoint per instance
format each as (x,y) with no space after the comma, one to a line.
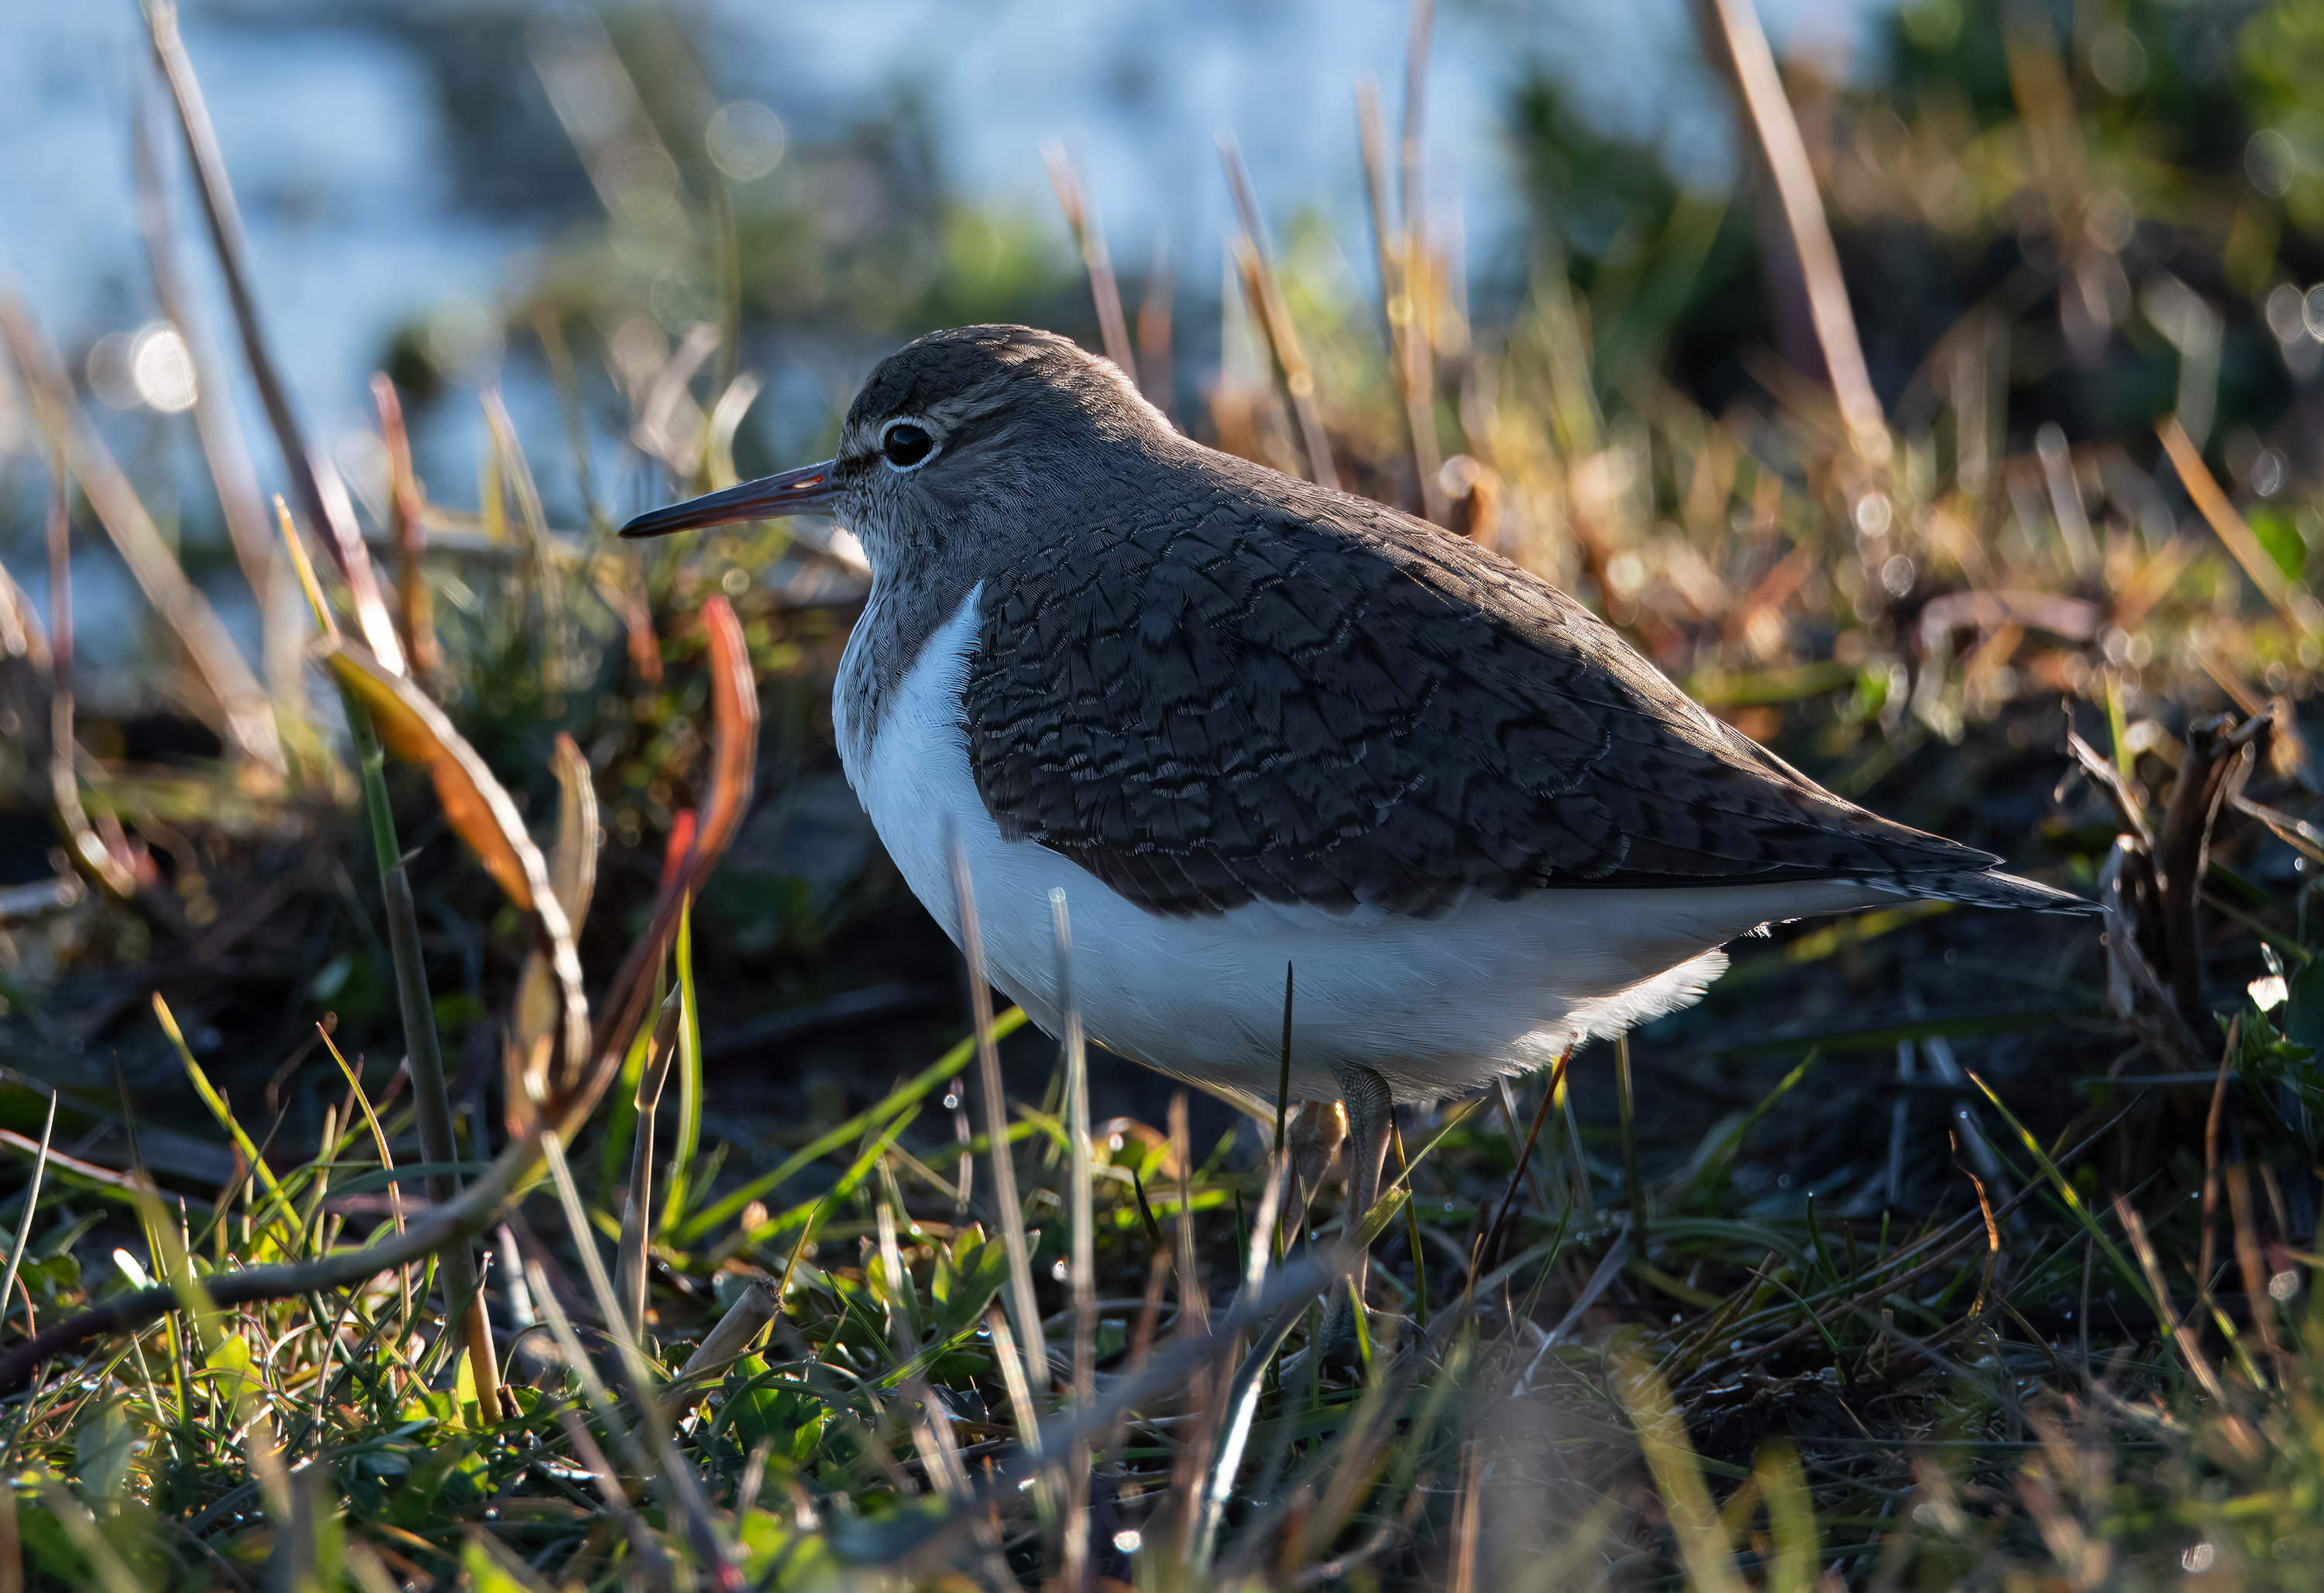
(809,490)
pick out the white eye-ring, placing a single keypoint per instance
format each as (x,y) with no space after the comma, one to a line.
(905,445)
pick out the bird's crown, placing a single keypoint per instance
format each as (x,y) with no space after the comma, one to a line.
(971,380)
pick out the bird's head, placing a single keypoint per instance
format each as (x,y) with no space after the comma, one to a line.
(966,434)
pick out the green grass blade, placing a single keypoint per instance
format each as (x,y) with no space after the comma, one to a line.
(1722,1155)
(1678,1475)
(849,1181)
(227,1120)
(897,1099)
(2058,1181)
(621,1106)
(689,1075)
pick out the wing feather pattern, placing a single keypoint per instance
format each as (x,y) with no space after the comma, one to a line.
(1221,700)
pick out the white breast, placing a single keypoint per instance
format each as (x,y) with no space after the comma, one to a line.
(1438,1007)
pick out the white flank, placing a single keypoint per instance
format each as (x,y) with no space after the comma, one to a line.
(1438,1006)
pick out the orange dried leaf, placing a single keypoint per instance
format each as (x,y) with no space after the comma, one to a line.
(734,714)
(734,709)
(479,811)
(573,860)
(677,849)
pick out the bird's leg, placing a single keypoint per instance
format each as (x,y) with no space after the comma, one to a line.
(1371,1115)
(1317,1128)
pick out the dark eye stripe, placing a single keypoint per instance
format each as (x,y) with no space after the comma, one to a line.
(905,445)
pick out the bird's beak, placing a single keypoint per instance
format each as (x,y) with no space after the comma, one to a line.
(808,490)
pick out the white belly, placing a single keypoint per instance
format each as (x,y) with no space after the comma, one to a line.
(1439,1007)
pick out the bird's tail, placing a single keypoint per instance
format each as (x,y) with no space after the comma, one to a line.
(1989,889)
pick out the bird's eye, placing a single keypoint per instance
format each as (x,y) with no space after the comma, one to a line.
(905,445)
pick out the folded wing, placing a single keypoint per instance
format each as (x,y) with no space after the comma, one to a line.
(1324,701)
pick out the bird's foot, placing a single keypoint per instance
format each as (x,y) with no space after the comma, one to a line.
(1338,1343)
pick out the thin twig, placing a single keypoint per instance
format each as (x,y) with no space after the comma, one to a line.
(235,703)
(32,1204)
(1735,35)
(2216,759)
(224,448)
(64,780)
(1266,294)
(2295,605)
(1089,237)
(322,496)
(1524,1163)
(408,529)
(1398,314)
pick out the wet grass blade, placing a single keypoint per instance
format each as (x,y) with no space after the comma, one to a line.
(1011,1364)
(848,1184)
(1713,1165)
(1242,1402)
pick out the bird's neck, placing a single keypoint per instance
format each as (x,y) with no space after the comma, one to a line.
(901,615)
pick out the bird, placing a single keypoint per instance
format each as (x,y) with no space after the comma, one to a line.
(1258,729)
